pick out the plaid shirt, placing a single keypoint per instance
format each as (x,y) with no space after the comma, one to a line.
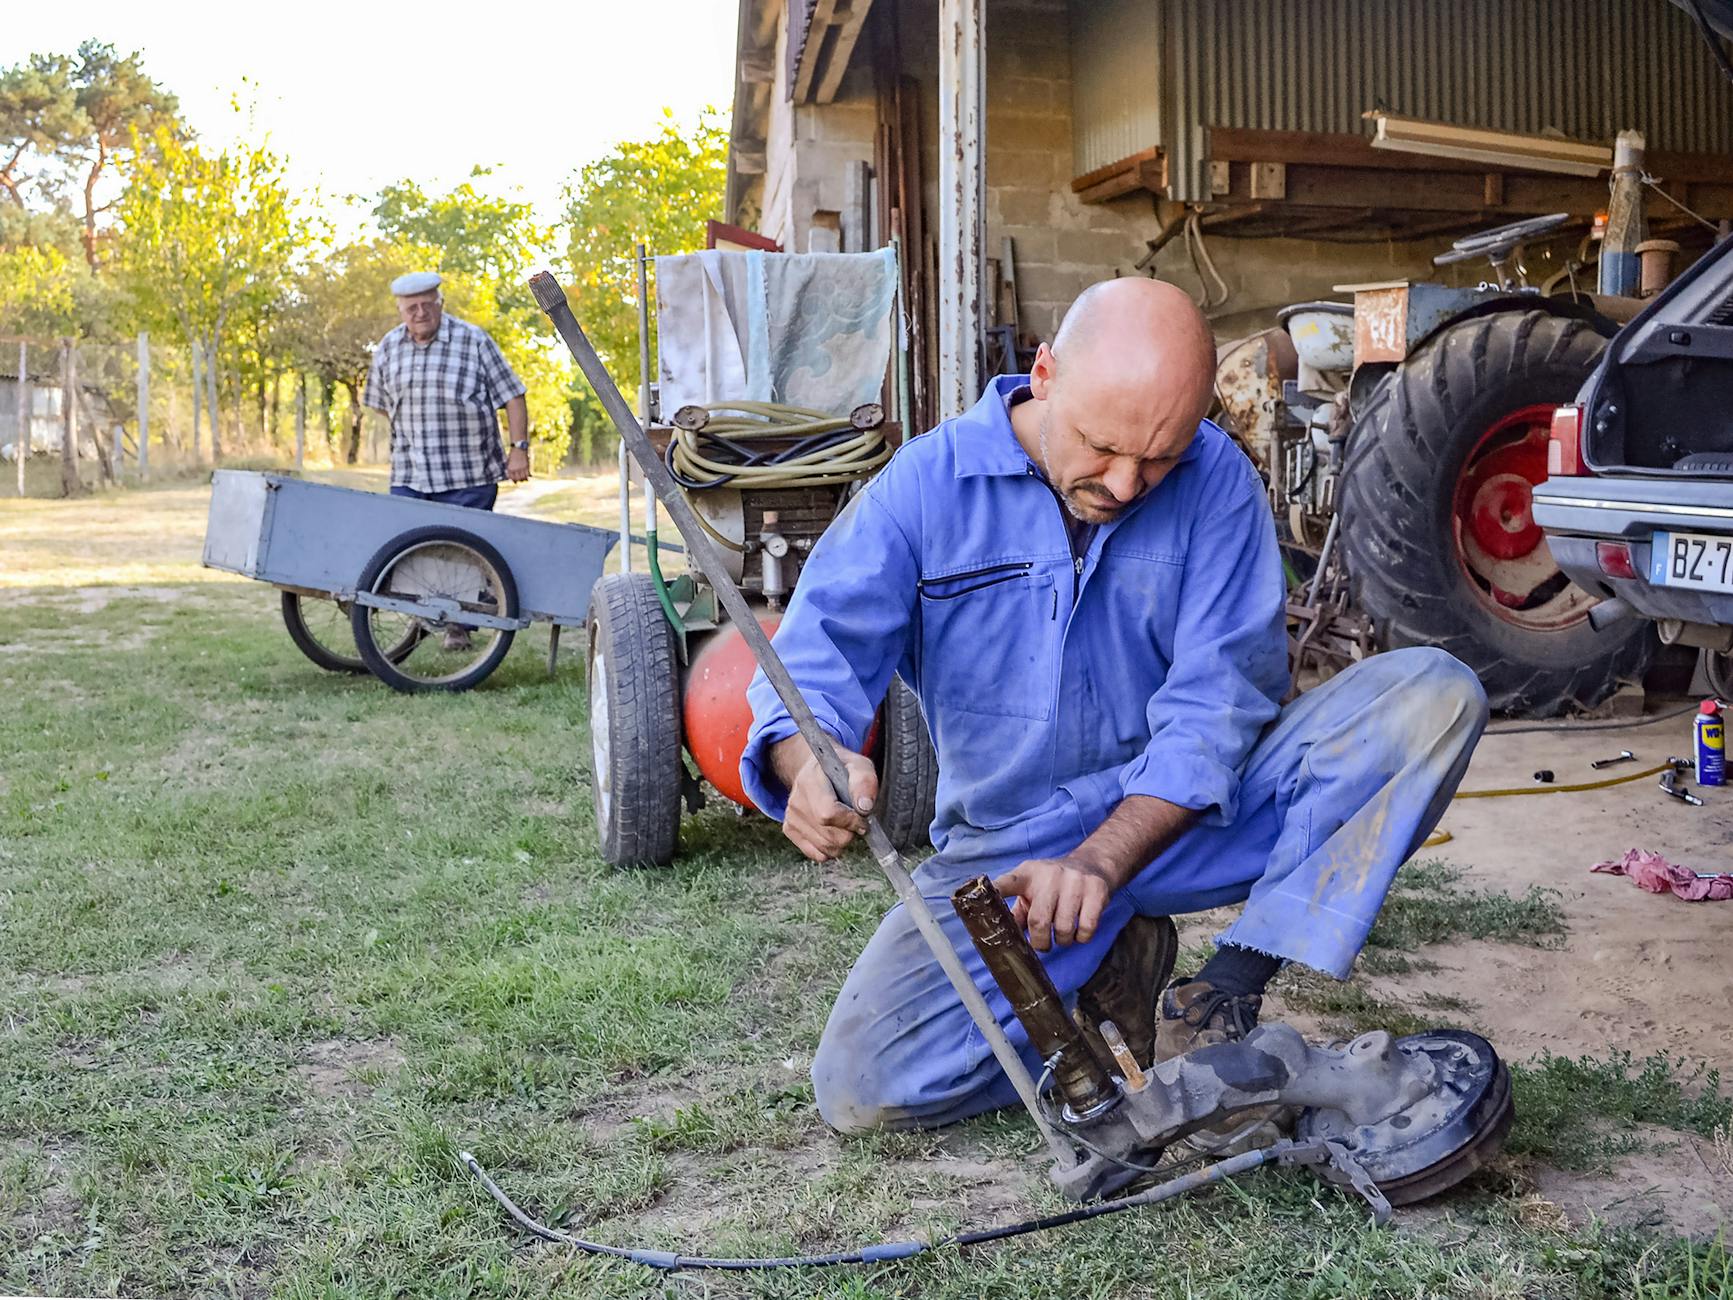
(443,399)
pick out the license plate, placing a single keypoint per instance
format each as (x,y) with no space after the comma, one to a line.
(1699,560)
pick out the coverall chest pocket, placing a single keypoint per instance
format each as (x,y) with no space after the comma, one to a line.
(989,640)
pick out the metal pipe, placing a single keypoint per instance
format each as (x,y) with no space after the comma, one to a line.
(1082,1078)
(551,298)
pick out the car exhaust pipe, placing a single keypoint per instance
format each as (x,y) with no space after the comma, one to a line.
(1609,612)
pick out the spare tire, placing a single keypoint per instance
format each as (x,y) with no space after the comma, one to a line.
(1438,533)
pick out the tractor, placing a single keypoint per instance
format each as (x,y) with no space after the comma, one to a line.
(1401,436)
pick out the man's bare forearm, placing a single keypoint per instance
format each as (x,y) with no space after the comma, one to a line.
(787,757)
(517,419)
(1133,834)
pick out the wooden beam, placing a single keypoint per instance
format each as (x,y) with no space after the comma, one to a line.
(1269,180)
(757,68)
(1149,174)
(748,155)
(847,27)
(1129,163)
(817,29)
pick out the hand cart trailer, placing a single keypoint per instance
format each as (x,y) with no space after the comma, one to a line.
(425,596)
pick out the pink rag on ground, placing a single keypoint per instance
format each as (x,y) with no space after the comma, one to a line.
(1654,873)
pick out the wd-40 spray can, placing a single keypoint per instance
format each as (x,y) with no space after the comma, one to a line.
(1711,744)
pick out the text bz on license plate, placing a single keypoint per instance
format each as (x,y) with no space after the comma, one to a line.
(1699,560)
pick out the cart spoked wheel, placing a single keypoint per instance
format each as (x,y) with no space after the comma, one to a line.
(321,630)
(446,571)
(634,722)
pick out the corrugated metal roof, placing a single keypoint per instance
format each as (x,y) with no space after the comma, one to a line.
(1156,72)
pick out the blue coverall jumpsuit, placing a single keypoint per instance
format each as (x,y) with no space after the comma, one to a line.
(1054,686)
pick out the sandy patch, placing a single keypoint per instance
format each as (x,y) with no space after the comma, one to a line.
(347,1068)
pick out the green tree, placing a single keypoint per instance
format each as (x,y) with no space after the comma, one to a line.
(484,247)
(39,117)
(339,310)
(658,192)
(208,242)
(36,291)
(119,106)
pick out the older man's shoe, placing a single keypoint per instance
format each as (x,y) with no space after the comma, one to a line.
(1194,1014)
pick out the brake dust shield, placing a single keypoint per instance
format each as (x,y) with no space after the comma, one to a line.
(1442,1138)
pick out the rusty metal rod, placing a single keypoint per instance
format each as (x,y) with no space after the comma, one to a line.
(1080,1075)
(551,298)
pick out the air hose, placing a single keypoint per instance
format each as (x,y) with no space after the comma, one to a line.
(884,1251)
(828,450)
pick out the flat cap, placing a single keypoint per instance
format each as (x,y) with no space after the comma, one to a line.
(415,282)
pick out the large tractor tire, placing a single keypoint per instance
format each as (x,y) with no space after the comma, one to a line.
(1438,530)
(908,770)
(635,770)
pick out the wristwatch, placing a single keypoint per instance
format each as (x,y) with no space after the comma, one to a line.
(521,446)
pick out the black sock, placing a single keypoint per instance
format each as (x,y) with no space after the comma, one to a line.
(1239,970)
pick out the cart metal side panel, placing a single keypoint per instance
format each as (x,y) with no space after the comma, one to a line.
(319,537)
(237,526)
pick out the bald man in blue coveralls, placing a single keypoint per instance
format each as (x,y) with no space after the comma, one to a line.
(1079,577)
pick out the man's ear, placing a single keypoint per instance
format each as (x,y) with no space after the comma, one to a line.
(1044,373)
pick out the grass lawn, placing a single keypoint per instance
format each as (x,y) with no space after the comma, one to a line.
(274,944)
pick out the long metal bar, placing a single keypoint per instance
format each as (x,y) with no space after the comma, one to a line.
(551,298)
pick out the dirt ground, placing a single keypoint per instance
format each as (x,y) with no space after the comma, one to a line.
(1638,972)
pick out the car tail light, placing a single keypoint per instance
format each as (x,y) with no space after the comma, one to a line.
(1564,449)
(1615,559)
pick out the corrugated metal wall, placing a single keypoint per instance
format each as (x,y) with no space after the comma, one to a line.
(1158,71)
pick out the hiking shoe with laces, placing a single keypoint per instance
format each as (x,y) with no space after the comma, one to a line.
(1126,987)
(1195,1014)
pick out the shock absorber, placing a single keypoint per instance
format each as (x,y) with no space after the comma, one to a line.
(1081,1076)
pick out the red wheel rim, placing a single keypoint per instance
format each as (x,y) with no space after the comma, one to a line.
(1500,547)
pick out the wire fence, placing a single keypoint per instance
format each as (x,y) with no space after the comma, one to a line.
(121,411)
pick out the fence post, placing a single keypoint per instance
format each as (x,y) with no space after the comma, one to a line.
(198,399)
(118,437)
(70,484)
(143,406)
(300,419)
(22,444)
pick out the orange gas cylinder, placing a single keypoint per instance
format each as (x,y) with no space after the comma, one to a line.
(716,716)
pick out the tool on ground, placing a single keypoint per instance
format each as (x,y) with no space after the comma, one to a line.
(1624,756)
(1544,776)
(1394,1119)
(1675,768)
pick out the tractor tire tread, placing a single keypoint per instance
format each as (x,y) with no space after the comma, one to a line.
(1396,544)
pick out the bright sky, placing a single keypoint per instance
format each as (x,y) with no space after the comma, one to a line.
(362,93)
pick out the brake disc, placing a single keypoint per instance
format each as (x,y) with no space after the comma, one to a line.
(1443,1137)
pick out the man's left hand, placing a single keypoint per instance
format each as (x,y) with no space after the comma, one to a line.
(517,465)
(1058,899)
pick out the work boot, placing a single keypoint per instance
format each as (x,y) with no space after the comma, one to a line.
(1127,985)
(1195,1014)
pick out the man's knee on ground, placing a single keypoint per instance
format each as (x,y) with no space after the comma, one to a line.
(853,1087)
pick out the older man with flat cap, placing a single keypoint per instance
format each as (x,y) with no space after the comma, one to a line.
(441,381)
(1079,577)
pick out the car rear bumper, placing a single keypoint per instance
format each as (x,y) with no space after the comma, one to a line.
(1579,512)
